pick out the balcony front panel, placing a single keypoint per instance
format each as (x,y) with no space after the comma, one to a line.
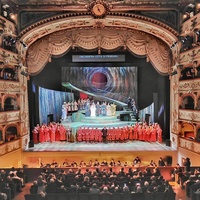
(9,116)
(189,115)
(189,85)
(7,86)
(189,145)
(10,147)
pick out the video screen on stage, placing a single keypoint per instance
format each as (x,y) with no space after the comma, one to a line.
(117,83)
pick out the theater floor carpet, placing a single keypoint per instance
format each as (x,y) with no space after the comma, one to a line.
(83,146)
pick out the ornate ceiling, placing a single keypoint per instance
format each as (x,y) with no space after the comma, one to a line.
(145,28)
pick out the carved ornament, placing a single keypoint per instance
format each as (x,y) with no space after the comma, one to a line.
(60,42)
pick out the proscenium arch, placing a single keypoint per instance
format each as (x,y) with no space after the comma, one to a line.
(155,38)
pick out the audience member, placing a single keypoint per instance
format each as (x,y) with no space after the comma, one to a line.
(161,162)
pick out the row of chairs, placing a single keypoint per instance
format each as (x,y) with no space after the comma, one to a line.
(114,196)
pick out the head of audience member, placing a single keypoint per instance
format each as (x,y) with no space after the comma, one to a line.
(105,189)
(94,185)
(125,189)
(138,189)
(146,183)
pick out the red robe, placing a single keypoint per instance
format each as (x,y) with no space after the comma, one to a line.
(41,135)
(62,133)
(159,135)
(96,135)
(135,132)
(79,135)
(35,135)
(57,133)
(153,135)
(47,134)
(140,134)
(53,133)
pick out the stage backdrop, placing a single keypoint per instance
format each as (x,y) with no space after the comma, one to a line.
(117,83)
(50,104)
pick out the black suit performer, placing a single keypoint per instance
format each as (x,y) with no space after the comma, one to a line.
(104,134)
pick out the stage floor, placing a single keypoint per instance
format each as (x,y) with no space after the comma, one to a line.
(100,147)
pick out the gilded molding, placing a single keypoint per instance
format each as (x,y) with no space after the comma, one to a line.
(9,116)
(189,85)
(9,86)
(8,57)
(8,27)
(44,35)
(189,116)
(9,147)
(188,26)
(189,145)
(58,43)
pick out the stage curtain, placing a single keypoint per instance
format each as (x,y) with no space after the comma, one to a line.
(50,102)
(148,110)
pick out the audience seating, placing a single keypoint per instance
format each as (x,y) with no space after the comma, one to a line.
(105,196)
(114,196)
(159,196)
(83,196)
(51,197)
(94,197)
(8,193)
(149,196)
(62,196)
(73,196)
(137,196)
(118,196)
(33,197)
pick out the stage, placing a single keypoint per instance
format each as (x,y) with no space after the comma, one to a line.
(133,146)
(46,152)
(125,152)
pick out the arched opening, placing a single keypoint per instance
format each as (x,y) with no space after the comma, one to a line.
(11,134)
(1,137)
(188,103)
(9,73)
(187,130)
(10,104)
(187,73)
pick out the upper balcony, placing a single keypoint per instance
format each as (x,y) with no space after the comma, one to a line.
(190,24)
(10,116)
(190,145)
(8,57)
(189,115)
(7,27)
(189,85)
(10,147)
(9,86)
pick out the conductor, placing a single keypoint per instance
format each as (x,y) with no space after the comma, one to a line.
(104,134)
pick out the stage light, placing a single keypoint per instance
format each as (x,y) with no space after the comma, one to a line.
(23,44)
(174,44)
(12,16)
(24,73)
(198,7)
(174,73)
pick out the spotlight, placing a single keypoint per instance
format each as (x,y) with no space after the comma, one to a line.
(174,73)
(5,6)
(12,16)
(174,44)
(24,73)
(23,44)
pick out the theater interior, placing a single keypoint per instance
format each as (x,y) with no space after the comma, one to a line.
(108,51)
